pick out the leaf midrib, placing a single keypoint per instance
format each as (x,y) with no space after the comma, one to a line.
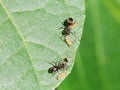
(24,43)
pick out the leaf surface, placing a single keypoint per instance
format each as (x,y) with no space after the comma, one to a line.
(29,39)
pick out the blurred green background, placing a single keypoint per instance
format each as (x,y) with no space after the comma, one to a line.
(97,65)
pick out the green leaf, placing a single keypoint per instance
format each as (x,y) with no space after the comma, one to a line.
(29,39)
(98,59)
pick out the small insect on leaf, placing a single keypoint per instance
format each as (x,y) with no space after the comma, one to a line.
(73,25)
(57,66)
(67,59)
(68,41)
(61,75)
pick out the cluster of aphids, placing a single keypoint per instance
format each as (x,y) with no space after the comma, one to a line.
(58,66)
(63,64)
(68,24)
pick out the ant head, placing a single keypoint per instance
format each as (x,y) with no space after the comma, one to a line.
(67,59)
(68,22)
(70,19)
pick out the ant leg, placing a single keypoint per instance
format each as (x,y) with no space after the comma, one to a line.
(62,23)
(61,61)
(50,63)
(63,69)
(67,67)
(53,74)
(75,39)
(61,38)
(60,28)
(55,63)
(73,34)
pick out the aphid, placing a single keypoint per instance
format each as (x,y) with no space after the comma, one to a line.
(68,41)
(58,66)
(61,75)
(73,25)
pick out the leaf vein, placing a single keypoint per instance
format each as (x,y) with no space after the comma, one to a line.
(10,18)
(44,46)
(11,55)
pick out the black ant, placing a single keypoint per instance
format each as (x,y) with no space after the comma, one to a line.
(58,66)
(68,25)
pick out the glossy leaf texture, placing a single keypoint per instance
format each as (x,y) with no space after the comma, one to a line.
(30,39)
(98,59)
